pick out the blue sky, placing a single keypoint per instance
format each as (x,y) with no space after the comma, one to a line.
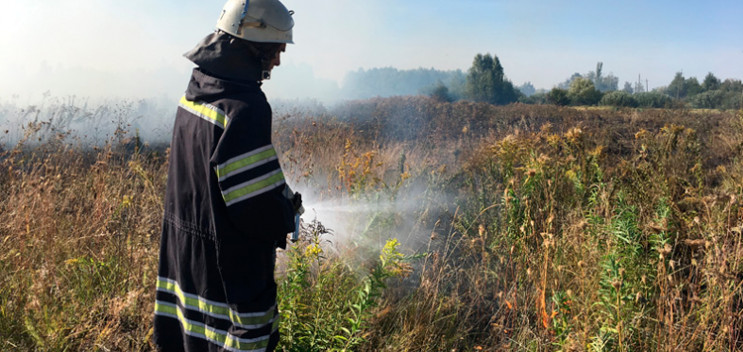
(133,48)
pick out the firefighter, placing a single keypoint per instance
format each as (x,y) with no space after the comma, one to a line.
(227,206)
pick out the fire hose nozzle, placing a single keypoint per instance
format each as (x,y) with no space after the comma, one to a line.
(295,234)
(296,199)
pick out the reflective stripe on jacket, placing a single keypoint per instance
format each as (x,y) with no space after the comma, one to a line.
(224,214)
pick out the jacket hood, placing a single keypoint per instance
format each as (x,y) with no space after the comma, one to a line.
(223,56)
(204,86)
(225,66)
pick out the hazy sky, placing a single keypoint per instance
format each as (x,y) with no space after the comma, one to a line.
(134,48)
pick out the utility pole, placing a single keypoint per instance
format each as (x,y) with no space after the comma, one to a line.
(638,84)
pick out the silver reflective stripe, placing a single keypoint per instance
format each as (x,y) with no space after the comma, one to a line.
(253,187)
(247,161)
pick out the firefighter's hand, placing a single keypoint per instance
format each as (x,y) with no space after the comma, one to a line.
(297,203)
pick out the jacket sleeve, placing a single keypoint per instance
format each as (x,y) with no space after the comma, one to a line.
(249,175)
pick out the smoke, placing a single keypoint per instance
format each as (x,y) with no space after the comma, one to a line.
(87,122)
(368,221)
(349,219)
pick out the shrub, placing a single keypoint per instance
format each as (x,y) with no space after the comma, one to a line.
(325,305)
(707,100)
(717,99)
(583,92)
(653,100)
(619,99)
(441,94)
(558,96)
(537,98)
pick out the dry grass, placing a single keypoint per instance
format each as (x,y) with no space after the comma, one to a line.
(535,228)
(79,248)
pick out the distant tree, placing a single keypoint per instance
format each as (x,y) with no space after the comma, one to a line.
(389,81)
(681,88)
(558,96)
(440,93)
(583,92)
(677,87)
(509,93)
(718,95)
(653,100)
(457,84)
(540,97)
(732,85)
(483,78)
(596,76)
(692,87)
(710,82)
(619,99)
(486,81)
(566,84)
(708,100)
(609,83)
(732,100)
(527,89)
(717,99)
(628,88)
(601,82)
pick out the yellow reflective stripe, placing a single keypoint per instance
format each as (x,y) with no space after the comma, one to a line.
(246,161)
(220,337)
(216,309)
(205,111)
(253,187)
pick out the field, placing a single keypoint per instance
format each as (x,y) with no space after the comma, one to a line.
(430,227)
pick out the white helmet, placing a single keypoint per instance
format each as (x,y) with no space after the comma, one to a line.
(263,21)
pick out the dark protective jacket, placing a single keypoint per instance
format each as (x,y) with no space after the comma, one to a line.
(224,212)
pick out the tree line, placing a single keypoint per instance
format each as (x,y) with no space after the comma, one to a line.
(485,81)
(682,92)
